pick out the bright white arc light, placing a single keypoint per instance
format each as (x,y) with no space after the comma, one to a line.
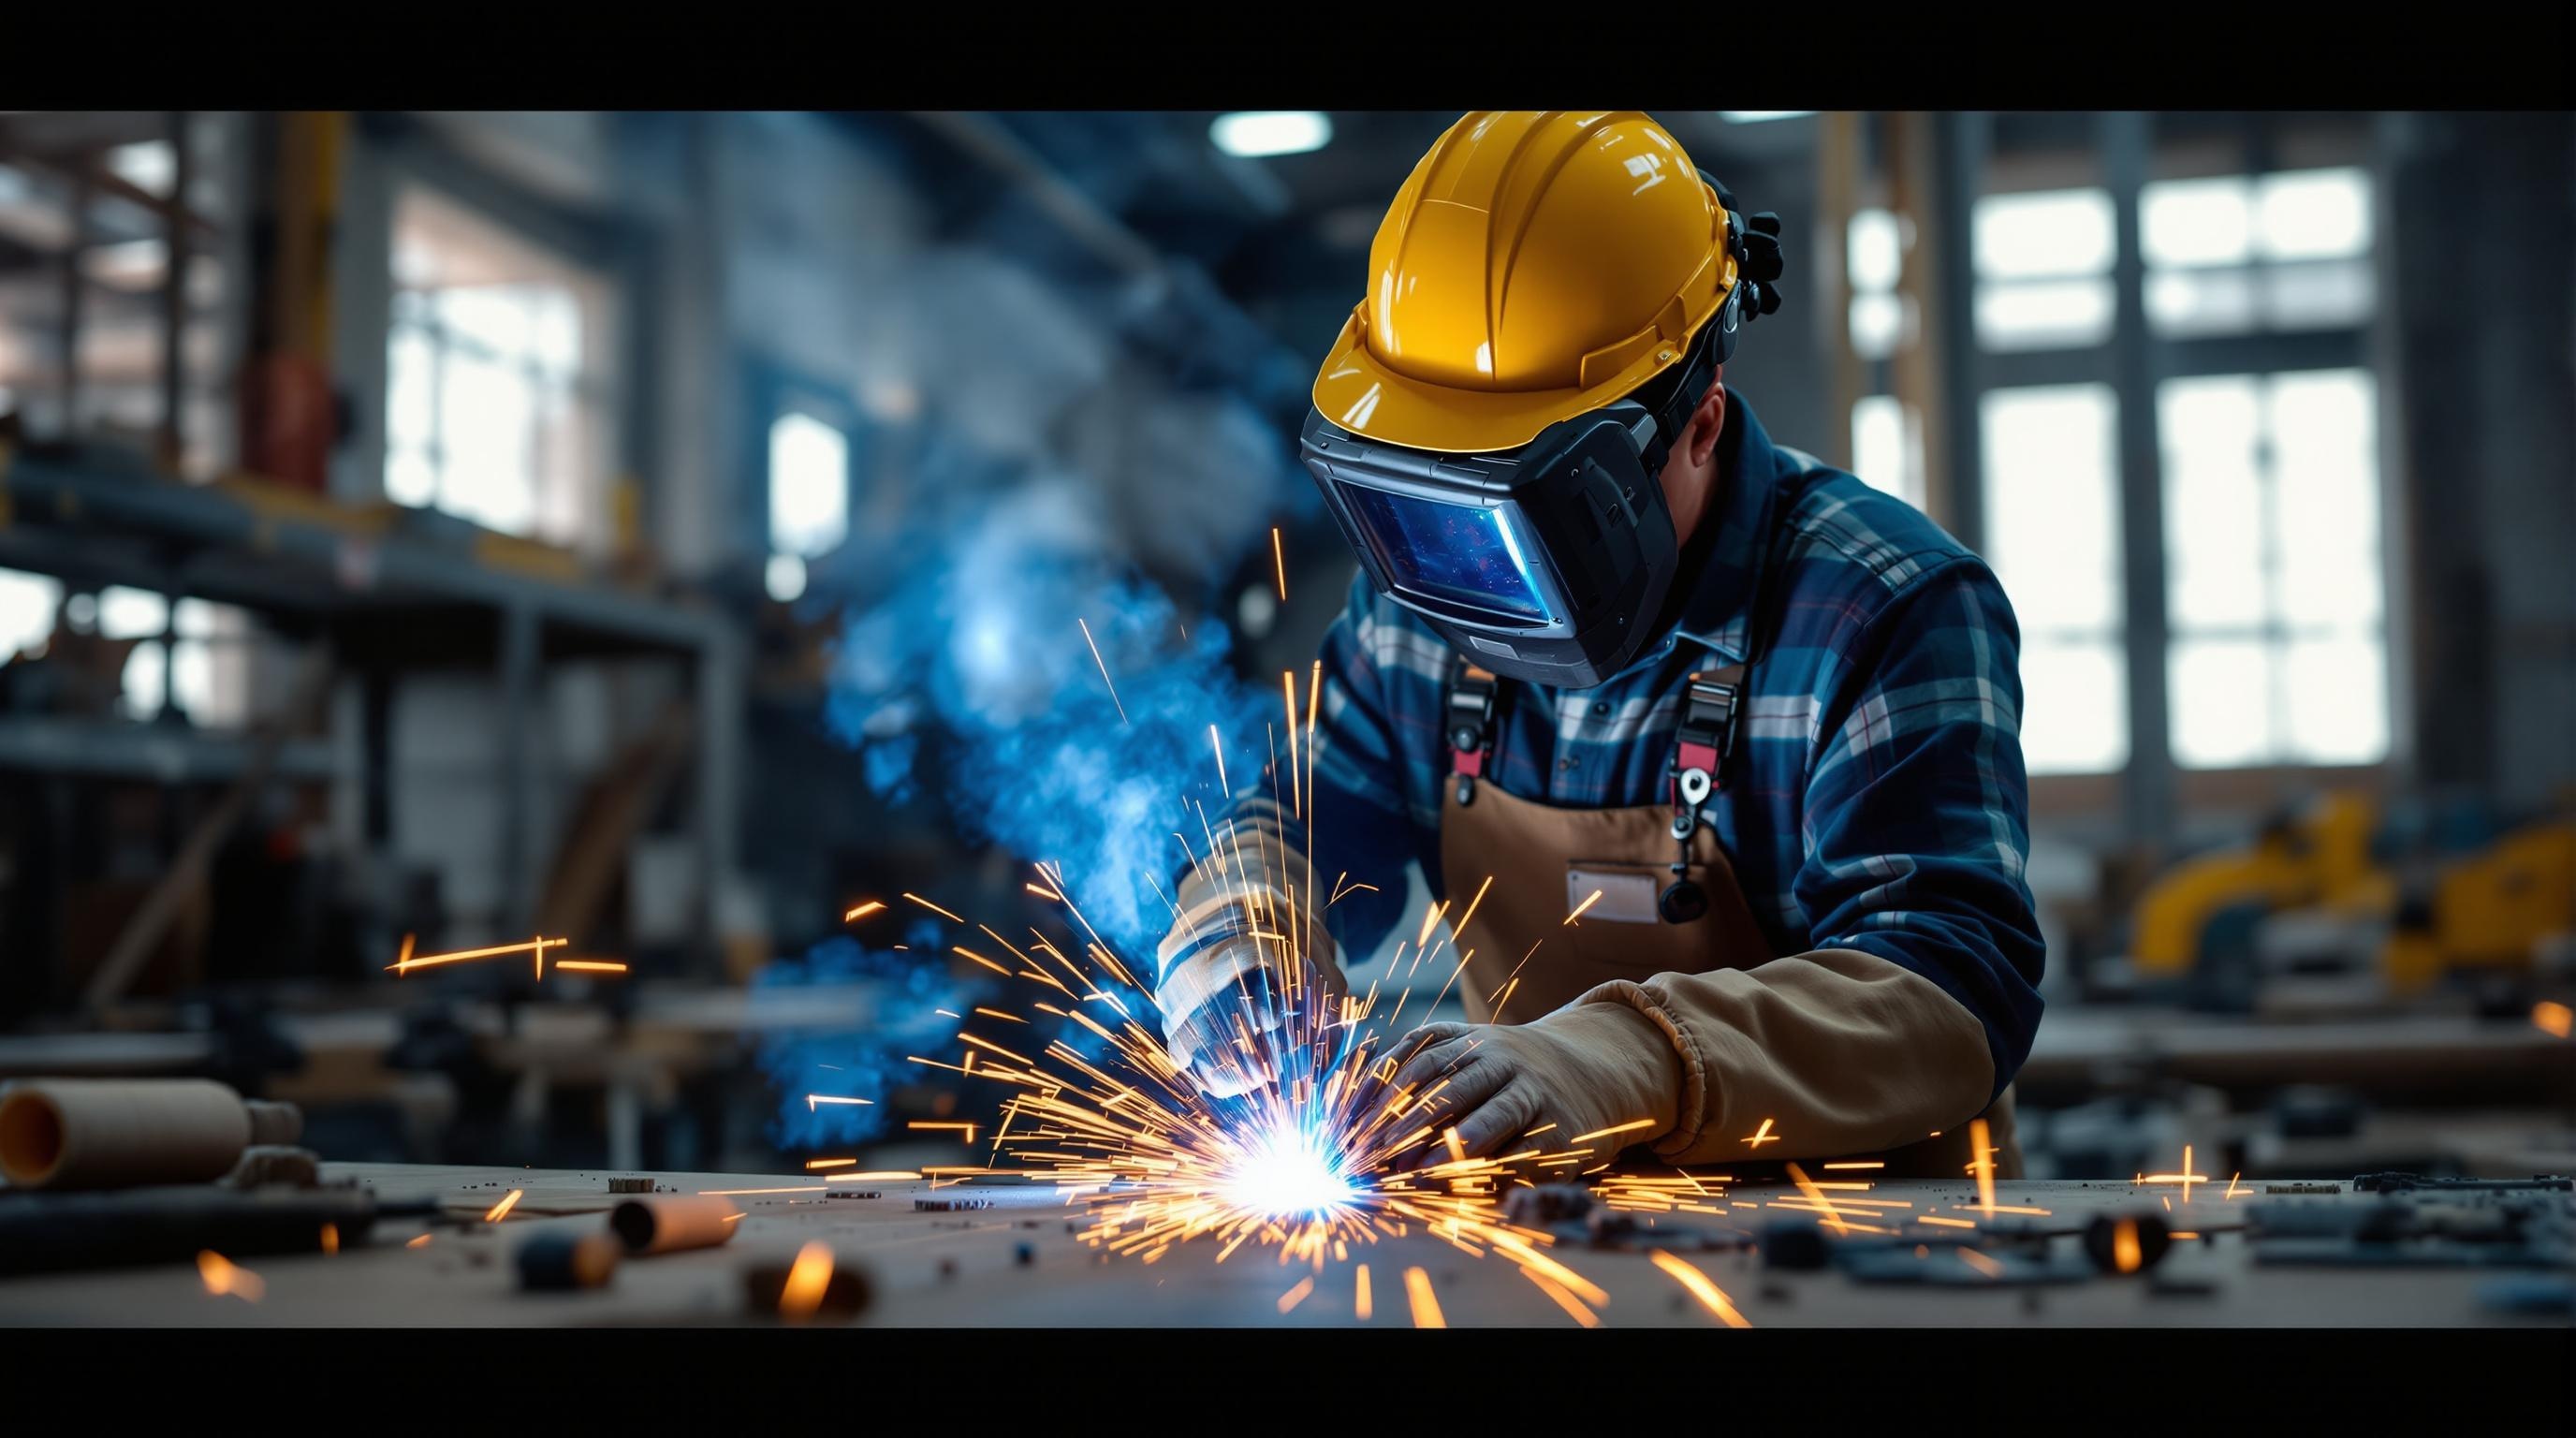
(1255,133)
(1287,1173)
(1755,117)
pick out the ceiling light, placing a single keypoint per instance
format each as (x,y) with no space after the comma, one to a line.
(1254,133)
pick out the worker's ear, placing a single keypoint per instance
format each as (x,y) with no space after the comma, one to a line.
(1708,420)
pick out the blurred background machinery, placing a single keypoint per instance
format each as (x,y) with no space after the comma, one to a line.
(457,527)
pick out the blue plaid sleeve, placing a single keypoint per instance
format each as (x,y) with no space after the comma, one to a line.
(1363,829)
(1917,809)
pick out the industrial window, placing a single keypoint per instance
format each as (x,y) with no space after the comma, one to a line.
(2238,253)
(809,498)
(26,611)
(2052,487)
(1887,433)
(2273,562)
(2043,265)
(496,396)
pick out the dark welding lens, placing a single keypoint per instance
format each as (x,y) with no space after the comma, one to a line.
(1463,554)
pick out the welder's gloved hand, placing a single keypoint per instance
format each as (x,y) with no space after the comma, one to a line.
(1215,991)
(1584,1068)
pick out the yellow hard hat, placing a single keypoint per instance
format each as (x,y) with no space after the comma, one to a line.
(1537,264)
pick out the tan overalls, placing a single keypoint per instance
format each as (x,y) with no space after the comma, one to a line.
(1832,1047)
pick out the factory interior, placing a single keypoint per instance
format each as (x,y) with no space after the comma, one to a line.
(595,685)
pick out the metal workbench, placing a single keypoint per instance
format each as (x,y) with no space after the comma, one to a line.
(464,1276)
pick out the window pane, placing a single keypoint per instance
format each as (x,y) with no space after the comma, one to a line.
(2314,214)
(2338,701)
(2222,702)
(1887,447)
(809,486)
(144,674)
(1877,324)
(409,387)
(2197,222)
(1875,253)
(131,613)
(2055,232)
(2075,707)
(2051,511)
(2327,479)
(26,611)
(495,318)
(409,479)
(2200,302)
(2213,503)
(2044,314)
(2321,294)
(485,426)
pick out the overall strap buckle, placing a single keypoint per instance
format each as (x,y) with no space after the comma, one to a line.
(1710,702)
(1468,716)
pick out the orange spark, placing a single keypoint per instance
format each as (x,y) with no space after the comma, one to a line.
(1985,1166)
(2124,1246)
(1426,1308)
(1946,1222)
(595,966)
(1873,1163)
(862,911)
(934,908)
(1360,1306)
(1981,1263)
(1808,1187)
(1104,669)
(968,1128)
(223,1276)
(421,1242)
(1762,1135)
(1629,1127)
(502,1209)
(1279,559)
(829,1162)
(1305,1285)
(1593,899)
(812,1099)
(2231,1184)
(807,1280)
(1457,1150)
(1689,1277)
(537,946)
(2557,1020)
(330,1238)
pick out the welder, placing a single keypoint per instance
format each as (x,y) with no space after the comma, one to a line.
(1709,750)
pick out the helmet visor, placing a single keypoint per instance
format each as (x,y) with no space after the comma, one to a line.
(1467,555)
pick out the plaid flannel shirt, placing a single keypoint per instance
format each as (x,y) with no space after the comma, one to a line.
(1874,798)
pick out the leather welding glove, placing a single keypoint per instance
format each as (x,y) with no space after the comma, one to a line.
(1221,983)
(1571,1073)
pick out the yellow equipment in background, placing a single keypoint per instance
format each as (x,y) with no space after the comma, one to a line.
(2490,907)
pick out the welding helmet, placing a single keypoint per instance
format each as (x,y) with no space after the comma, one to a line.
(1549,297)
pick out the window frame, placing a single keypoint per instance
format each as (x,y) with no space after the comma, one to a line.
(2123,154)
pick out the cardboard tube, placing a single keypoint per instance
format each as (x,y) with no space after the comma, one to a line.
(111,1133)
(667,1222)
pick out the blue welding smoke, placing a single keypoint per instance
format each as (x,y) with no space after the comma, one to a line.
(1050,757)
(909,990)
(968,683)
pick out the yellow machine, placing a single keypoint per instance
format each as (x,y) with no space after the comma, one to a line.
(2485,907)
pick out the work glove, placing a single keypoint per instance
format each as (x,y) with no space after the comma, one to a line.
(1217,987)
(1584,1068)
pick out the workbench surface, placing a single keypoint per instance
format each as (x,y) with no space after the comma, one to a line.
(464,1275)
